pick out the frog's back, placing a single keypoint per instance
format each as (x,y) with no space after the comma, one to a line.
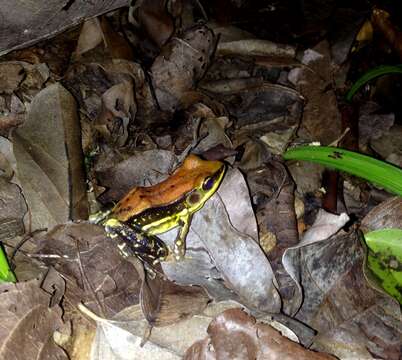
(185,178)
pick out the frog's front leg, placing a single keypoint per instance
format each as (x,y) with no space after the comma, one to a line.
(180,242)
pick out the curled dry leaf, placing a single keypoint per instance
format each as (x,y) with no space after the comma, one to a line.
(381,20)
(90,36)
(182,62)
(256,47)
(94,271)
(12,210)
(49,159)
(118,110)
(11,75)
(157,21)
(236,335)
(27,323)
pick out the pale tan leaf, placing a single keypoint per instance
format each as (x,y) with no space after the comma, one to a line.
(49,159)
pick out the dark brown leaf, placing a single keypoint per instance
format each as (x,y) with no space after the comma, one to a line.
(12,210)
(25,25)
(385,215)
(94,271)
(27,323)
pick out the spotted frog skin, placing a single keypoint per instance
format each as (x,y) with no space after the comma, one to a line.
(145,212)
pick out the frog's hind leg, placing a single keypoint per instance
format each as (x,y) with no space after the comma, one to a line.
(134,242)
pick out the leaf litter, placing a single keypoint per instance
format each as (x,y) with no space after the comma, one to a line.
(145,87)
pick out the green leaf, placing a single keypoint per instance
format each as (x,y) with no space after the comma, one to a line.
(370,75)
(376,171)
(6,275)
(385,259)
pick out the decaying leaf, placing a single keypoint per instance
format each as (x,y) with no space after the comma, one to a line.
(49,157)
(381,21)
(27,323)
(256,47)
(182,62)
(12,210)
(313,82)
(94,271)
(325,225)
(11,75)
(236,335)
(264,108)
(385,215)
(90,36)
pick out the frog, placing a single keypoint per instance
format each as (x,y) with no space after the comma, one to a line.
(147,211)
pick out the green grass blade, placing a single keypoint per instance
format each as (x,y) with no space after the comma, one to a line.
(378,172)
(6,275)
(370,75)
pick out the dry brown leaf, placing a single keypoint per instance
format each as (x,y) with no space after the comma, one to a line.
(117,45)
(158,22)
(49,157)
(381,20)
(385,215)
(90,36)
(12,210)
(321,117)
(256,47)
(236,335)
(27,323)
(94,270)
(11,75)
(182,62)
(165,303)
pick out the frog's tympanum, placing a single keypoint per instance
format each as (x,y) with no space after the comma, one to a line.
(147,211)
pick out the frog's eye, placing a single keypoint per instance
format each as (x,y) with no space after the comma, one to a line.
(208,183)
